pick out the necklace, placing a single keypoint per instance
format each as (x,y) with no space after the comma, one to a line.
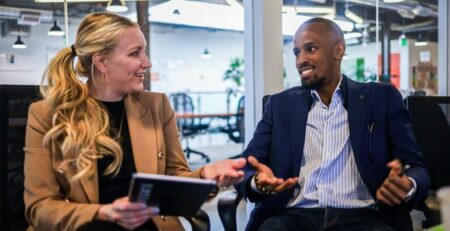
(120,126)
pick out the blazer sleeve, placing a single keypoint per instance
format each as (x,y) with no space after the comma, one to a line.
(46,207)
(176,164)
(404,145)
(259,147)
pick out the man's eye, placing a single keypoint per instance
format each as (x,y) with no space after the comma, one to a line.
(136,53)
(311,49)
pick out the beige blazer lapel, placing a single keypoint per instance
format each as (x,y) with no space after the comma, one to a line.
(142,128)
(90,185)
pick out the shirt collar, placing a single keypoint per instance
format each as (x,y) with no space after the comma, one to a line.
(338,91)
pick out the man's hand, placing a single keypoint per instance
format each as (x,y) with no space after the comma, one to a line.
(225,172)
(268,180)
(126,214)
(396,186)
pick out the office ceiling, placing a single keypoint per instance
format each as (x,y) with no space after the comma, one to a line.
(412,17)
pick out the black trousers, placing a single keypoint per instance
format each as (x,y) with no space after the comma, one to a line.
(321,219)
(99,225)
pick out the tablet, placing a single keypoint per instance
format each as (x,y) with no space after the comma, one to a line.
(174,195)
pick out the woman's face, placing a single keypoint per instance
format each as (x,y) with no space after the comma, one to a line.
(127,63)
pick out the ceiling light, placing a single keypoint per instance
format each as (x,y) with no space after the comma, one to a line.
(402,40)
(352,35)
(393,1)
(420,41)
(206,54)
(354,17)
(71,0)
(352,41)
(19,44)
(55,30)
(116,6)
(314,10)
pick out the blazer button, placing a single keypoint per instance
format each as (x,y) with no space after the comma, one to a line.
(160,155)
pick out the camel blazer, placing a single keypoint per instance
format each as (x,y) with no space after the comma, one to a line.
(54,202)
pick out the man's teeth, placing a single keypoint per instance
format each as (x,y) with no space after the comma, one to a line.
(306,71)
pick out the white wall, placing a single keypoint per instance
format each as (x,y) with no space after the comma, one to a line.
(31,62)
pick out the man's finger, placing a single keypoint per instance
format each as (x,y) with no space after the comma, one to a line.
(268,180)
(255,163)
(396,166)
(289,183)
(388,196)
(403,183)
(395,191)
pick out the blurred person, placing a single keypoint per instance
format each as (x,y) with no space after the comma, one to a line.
(84,140)
(333,154)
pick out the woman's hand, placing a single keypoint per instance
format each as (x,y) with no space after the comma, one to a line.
(127,214)
(225,172)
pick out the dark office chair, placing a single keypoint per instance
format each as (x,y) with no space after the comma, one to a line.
(235,124)
(229,200)
(189,127)
(431,117)
(14,103)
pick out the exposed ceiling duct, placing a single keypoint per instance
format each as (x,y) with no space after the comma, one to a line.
(421,26)
(26,16)
(11,28)
(406,9)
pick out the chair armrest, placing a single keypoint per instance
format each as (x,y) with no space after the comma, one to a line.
(199,222)
(227,206)
(431,210)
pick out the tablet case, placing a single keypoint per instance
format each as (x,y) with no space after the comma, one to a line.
(174,195)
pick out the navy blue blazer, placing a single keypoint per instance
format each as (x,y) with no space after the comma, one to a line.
(280,136)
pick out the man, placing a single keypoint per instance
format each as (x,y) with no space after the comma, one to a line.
(332,154)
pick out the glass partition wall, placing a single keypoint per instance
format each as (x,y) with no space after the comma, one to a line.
(387,42)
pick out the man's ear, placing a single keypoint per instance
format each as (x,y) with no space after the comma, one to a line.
(340,51)
(99,62)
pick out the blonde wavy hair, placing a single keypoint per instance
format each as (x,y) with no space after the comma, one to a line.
(80,125)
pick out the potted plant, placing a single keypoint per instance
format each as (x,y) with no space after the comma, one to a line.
(235,71)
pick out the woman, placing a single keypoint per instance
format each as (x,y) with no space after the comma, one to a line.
(84,140)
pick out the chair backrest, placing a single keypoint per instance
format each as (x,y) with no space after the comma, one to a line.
(431,120)
(14,103)
(182,103)
(264,101)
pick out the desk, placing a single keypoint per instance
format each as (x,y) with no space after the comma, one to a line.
(205,115)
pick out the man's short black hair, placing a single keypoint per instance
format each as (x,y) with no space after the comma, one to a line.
(331,26)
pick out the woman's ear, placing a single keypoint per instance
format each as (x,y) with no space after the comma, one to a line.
(99,62)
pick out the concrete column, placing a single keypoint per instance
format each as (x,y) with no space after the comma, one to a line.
(263,46)
(443,48)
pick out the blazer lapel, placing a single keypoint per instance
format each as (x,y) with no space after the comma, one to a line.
(90,185)
(142,128)
(357,101)
(299,116)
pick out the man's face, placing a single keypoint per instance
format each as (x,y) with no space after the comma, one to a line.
(315,51)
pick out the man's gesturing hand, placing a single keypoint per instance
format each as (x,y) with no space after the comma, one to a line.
(396,186)
(267,180)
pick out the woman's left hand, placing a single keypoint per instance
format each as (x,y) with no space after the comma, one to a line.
(225,172)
